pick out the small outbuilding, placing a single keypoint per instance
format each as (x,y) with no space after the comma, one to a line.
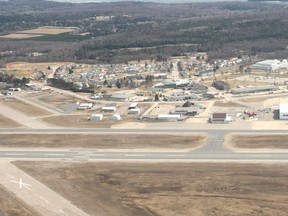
(116,117)
(109,109)
(96,117)
(134,111)
(85,106)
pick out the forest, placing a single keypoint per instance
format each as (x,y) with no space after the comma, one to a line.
(137,30)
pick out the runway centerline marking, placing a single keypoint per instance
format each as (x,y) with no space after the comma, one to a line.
(44,199)
(176,155)
(52,154)
(98,155)
(135,155)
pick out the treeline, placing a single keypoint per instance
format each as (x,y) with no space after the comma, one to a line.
(147,27)
(11,79)
(62,84)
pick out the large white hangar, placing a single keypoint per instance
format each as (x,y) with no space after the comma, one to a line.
(283,111)
(270,65)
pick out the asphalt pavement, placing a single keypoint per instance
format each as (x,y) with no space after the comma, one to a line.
(213,150)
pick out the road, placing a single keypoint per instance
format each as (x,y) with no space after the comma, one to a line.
(213,150)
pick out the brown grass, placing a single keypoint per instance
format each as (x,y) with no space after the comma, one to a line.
(58,100)
(126,189)
(25,108)
(26,69)
(109,141)
(7,123)
(275,141)
(78,121)
(256,99)
(227,104)
(12,206)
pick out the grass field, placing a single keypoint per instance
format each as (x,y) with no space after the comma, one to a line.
(78,121)
(109,141)
(25,108)
(258,141)
(58,100)
(25,69)
(127,189)
(8,123)
(227,104)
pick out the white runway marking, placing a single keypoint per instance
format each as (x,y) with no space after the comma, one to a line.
(15,154)
(98,155)
(176,155)
(62,212)
(135,155)
(52,154)
(21,184)
(44,199)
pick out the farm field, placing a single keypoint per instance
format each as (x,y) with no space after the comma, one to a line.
(20,36)
(48,30)
(12,206)
(275,141)
(204,189)
(25,108)
(38,32)
(108,141)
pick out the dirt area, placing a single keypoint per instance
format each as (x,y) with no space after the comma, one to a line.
(272,141)
(25,108)
(154,189)
(12,206)
(108,141)
(227,104)
(8,123)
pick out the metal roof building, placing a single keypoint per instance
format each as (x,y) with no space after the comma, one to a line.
(253,89)
(283,111)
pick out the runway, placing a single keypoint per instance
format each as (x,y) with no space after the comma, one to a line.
(85,156)
(213,150)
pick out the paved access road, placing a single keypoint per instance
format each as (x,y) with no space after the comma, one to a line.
(212,151)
